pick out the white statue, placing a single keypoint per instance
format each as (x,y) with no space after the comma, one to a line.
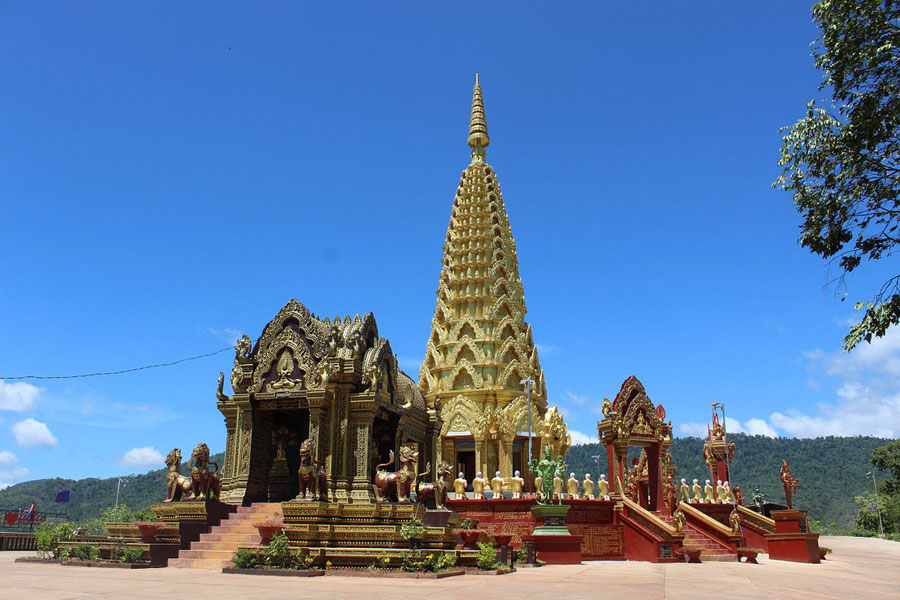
(478,485)
(588,486)
(516,484)
(603,488)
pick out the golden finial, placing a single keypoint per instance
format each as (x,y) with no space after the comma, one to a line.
(478,131)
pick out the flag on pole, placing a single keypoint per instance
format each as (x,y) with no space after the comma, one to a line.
(62,496)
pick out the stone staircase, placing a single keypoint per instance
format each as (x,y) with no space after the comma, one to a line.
(710,550)
(214,549)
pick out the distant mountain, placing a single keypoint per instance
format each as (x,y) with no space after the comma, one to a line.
(831,470)
(89,496)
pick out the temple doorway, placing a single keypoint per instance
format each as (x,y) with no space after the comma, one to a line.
(289,429)
(465,463)
(384,438)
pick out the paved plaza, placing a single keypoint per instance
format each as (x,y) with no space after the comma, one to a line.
(858,568)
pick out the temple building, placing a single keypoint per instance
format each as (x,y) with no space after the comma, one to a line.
(480,348)
(335,382)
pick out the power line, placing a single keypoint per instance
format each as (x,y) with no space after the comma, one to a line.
(101,373)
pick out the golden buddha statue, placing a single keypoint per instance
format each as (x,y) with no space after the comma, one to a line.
(478,485)
(497,486)
(698,493)
(459,486)
(516,484)
(720,492)
(588,486)
(708,491)
(684,492)
(537,488)
(603,488)
(729,496)
(572,486)
(557,486)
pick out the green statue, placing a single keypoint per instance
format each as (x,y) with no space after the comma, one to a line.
(547,469)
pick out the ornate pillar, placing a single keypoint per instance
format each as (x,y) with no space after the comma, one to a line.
(361,417)
(506,462)
(479,455)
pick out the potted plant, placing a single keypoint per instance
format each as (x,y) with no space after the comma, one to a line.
(268,530)
(413,532)
(469,533)
(148,530)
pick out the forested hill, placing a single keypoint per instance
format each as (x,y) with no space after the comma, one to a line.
(831,470)
(89,496)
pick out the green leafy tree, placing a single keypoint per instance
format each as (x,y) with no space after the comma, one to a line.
(842,160)
(886,459)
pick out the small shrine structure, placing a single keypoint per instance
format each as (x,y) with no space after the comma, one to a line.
(333,381)
(632,420)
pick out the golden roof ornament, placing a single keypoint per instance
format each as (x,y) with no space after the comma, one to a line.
(478,131)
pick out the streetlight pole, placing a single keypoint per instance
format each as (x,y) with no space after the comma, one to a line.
(597,458)
(877,504)
(121,481)
(528,383)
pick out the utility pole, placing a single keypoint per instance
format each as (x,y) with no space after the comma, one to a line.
(877,504)
(597,458)
(528,383)
(122,482)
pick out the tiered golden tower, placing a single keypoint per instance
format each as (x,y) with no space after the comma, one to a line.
(480,348)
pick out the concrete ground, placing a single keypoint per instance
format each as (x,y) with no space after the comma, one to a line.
(857,568)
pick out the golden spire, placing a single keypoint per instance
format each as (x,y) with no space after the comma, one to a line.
(478,131)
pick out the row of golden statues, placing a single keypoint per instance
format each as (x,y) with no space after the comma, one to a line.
(587,489)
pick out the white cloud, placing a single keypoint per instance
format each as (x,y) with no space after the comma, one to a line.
(32,434)
(145,456)
(579,438)
(19,396)
(576,399)
(750,426)
(692,429)
(868,394)
(226,334)
(410,365)
(84,407)
(10,471)
(548,350)
(860,410)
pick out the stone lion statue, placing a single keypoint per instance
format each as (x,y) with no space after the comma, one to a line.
(178,487)
(401,481)
(310,476)
(438,488)
(204,483)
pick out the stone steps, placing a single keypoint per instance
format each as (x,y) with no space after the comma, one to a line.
(709,550)
(214,549)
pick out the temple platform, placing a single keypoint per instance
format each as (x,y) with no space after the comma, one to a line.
(859,568)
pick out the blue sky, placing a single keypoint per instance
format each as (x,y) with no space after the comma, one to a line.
(173,173)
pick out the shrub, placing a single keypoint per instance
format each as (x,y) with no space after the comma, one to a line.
(65,532)
(445,561)
(413,560)
(131,554)
(522,554)
(87,552)
(487,556)
(382,561)
(413,530)
(468,523)
(278,553)
(244,559)
(46,541)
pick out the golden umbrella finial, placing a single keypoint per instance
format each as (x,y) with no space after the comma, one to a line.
(478,131)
